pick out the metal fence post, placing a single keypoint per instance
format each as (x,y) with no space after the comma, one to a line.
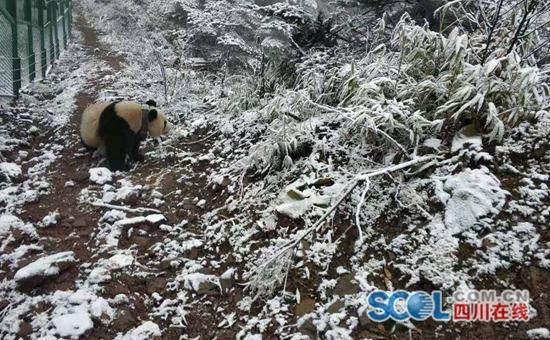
(11,7)
(43,50)
(55,30)
(49,5)
(28,18)
(63,18)
(70,16)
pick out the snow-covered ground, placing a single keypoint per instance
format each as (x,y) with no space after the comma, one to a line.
(189,242)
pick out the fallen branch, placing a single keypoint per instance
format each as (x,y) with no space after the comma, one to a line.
(352,185)
(358,211)
(123,208)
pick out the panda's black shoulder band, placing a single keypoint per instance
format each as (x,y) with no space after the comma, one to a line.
(142,133)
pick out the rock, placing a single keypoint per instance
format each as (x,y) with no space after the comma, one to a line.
(336,306)
(80,222)
(345,286)
(155,219)
(208,288)
(227,280)
(147,330)
(364,320)
(191,254)
(33,274)
(202,283)
(166,265)
(80,177)
(25,329)
(132,221)
(100,175)
(3,304)
(226,334)
(142,241)
(115,288)
(132,198)
(296,194)
(305,306)
(307,328)
(84,232)
(158,284)
(67,222)
(124,321)
(322,182)
(41,307)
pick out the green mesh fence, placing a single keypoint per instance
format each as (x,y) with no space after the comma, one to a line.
(6,70)
(33,33)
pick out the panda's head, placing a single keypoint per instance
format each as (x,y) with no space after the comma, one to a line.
(158,124)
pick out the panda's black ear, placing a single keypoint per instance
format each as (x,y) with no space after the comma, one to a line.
(152,115)
(151,102)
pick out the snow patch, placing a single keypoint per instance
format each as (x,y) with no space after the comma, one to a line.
(474,194)
(100,175)
(538,333)
(145,331)
(10,170)
(72,325)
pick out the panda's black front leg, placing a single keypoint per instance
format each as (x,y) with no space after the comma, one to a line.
(134,153)
(116,150)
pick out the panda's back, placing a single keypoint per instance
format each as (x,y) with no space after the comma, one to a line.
(131,113)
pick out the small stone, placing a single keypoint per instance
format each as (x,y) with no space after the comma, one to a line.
(113,289)
(132,198)
(3,304)
(345,286)
(364,320)
(305,306)
(208,288)
(141,241)
(132,221)
(80,222)
(125,321)
(25,329)
(67,222)
(155,219)
(227,280)
(307,328)
(100,175)
(191,254)
(165,265)
(336,306)
(156,285)
(80,177)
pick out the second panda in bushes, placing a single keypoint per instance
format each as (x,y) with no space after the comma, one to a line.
(117,128)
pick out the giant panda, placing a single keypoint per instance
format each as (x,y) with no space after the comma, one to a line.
(116,128)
